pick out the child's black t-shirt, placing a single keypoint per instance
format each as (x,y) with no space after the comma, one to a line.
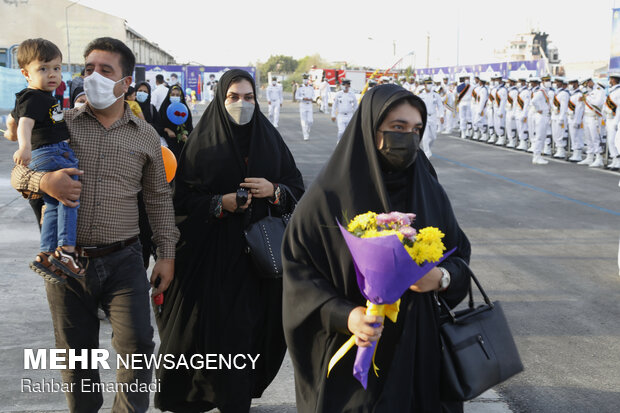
(42,107)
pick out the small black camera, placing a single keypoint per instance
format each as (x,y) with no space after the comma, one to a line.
(242,197)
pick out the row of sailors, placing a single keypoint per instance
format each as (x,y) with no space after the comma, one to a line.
(534,114)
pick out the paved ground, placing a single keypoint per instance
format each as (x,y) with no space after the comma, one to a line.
(545,243)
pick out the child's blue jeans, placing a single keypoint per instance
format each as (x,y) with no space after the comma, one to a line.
(59,221)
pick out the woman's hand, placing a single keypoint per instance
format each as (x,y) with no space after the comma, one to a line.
(430,282)
(229,202)
(258,187)
(363,326)
(170,133)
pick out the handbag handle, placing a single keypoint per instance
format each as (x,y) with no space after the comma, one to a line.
(473,277)
(248,212)
(288,190)
(486,298)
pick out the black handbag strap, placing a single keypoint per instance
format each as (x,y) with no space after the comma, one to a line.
(288,190)
(248,212)
(471,303)
(475,279)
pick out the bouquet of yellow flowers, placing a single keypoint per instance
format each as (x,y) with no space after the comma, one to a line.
(425,245)
(389,256)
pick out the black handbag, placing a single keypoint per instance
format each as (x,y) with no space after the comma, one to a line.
(478,350)
(264,238)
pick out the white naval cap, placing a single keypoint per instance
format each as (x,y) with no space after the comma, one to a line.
(559,79)
(534,79)
(571,80)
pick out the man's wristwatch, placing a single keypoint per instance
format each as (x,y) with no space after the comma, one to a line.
(444,282)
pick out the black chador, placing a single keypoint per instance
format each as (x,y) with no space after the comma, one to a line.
(320,287)
(217,304)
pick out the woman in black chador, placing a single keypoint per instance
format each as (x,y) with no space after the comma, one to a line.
(175,135)
(217,303)
(376,167)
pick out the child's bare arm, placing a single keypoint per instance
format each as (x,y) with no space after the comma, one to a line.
(24,133)
(11,129)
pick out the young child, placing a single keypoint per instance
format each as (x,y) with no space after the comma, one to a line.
(130,98)
(43,145)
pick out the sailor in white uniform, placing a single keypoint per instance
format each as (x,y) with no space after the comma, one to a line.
(540,104)
(611,104)
(594,99)
(575,119)
(345,103)
(522,113)
(324,93)
(463,103)
(559,117)
(511,109)
(435,115)
(304,95)
(274,99)
(499,110)
(480,110)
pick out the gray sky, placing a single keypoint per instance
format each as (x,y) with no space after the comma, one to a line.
(214,33)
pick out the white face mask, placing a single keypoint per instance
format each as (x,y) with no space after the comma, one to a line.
(547,84)
(571,87)
(79,104)
(467,81)
(100,90)
(240,112)
(175,99)
(274,83)
(428,87)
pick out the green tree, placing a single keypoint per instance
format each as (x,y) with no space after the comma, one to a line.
(277,63)
(306,63)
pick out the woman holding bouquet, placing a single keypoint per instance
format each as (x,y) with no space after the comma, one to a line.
(217,302)
(376,167)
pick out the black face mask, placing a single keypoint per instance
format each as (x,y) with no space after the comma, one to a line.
(399,150)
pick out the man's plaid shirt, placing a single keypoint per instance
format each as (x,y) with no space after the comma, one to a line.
(118,163)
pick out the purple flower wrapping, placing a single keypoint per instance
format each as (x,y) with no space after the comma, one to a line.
(384,272)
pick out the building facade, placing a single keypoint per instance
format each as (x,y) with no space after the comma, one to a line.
(71,26)
(529,46)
